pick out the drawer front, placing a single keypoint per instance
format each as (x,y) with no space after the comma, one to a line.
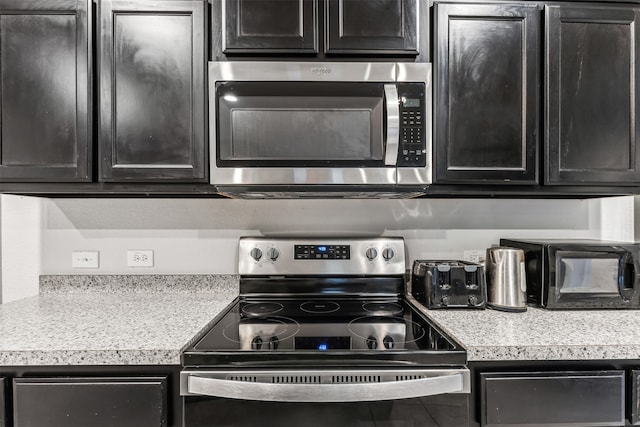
(594,398)
(95,402)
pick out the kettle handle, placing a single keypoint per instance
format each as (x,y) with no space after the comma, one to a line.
(523,275)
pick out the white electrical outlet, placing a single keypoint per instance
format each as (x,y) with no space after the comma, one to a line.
(140,258)
(475,256)
(85,259)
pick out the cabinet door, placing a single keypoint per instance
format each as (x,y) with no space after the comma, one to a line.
(152,62)
(371,26)
(95,402)
(634,401)
(592,105)
(4,422)
(45,126)
(270,26)
(552,399)
(487,93)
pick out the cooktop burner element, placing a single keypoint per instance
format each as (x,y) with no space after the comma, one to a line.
(261,308)
(303,311)
(382,308)
(319,307)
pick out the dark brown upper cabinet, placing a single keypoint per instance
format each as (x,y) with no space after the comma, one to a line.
(487,93)
(371,26)
(270,26)
(152,91)
(355,27)
(592,108)
(45,96)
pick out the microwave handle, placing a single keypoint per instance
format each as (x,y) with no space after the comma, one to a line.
(626,259)
(393,125)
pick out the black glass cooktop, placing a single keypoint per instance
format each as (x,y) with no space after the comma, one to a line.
(274,331)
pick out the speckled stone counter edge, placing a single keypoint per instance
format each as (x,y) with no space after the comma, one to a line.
(224,283)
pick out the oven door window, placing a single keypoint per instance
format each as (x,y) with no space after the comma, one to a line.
(587,275)
(298,124)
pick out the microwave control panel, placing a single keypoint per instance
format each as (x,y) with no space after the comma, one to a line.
(412,125)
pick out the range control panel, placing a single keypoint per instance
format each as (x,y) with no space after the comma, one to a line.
(327,256)
(322,251)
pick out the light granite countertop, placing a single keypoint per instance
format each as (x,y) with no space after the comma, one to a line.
(107,321)
(149,320)
(538,334)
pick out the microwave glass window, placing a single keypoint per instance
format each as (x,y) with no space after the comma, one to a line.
(284,123)
(314,134)
(585,276)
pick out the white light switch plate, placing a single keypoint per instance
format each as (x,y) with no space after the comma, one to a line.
(85,259)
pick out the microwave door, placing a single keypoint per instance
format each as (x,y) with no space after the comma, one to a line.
(305,133)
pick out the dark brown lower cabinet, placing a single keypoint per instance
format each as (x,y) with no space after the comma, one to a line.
(3,403)
(558,398)
(87,401)
(634,397)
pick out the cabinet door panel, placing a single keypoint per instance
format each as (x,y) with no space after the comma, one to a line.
(552,399)
(95,402)
(634,403)
(44,117)
(270,26)
(4,422)
(372,26)
(592,134)
(152,86)
(486,93)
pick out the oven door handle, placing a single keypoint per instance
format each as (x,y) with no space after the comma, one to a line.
(452,382)
(393,125)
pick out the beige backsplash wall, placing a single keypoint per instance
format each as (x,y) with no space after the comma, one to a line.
(199,236)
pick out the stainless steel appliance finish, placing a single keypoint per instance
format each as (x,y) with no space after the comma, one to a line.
(506,279)
(324,326)
(326,385)
(580,274)
(449,284)
(405,131)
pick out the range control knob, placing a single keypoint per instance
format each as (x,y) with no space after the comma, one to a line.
(256,343)
(387,341)
(274,342)
(273,253)
(256,254)
(444,301)
(473,300)
(387,254)
(371,254)
(372,342)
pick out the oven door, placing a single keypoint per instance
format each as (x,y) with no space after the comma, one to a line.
(288,123)
(427,397)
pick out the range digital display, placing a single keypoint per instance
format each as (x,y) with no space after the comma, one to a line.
(322,251)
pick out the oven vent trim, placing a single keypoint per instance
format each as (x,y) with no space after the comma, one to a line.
(296,379)
(323,379)
(355,379)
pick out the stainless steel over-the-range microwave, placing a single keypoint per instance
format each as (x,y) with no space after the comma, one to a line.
(329,123)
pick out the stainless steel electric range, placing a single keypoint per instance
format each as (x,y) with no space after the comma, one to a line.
(323,333)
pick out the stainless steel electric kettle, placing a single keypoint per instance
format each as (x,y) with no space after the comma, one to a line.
(506,279)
